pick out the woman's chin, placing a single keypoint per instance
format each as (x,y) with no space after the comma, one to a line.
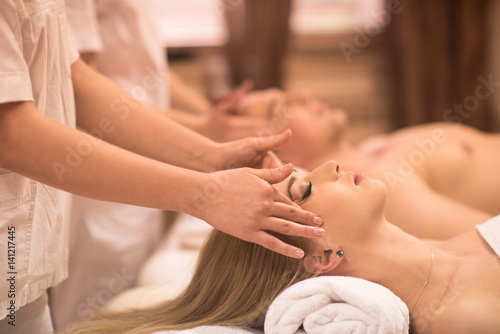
(377,190)
(378,184)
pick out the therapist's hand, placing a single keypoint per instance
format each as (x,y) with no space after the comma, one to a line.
(221,125)
(246,152)
(243,203)
(235,95)
(222,122)
(271,161)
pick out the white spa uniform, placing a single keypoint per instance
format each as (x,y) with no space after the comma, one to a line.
(35,59)
(108,241)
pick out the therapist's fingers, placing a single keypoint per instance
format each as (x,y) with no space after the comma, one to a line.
(235,95)
(272,142)
(280,197)
(271,161)
(244,87)
(276,245)
(283,206)
(288,227)
(294,213)
(242,126)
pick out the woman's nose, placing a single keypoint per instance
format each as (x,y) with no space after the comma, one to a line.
(331,169)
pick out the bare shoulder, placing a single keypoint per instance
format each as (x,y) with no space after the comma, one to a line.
(439,128)
(479,315)
(374,146)
(423,212)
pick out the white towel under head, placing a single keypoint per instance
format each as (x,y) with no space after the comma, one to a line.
(337,304)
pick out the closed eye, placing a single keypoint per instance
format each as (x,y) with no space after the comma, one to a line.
(307,192)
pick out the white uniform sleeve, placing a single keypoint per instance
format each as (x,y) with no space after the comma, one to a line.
(73,51)
(15,83)
(83,25)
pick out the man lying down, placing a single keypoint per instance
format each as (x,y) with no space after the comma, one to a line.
(450,285)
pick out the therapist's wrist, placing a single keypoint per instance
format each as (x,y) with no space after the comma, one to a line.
(195,196)
(213,157)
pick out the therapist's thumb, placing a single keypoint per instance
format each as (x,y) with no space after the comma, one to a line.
(272,142)
(274,175)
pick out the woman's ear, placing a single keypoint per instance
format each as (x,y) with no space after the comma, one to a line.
(323,263)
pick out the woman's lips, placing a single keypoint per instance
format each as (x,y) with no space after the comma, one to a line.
(360,176)
(356,177)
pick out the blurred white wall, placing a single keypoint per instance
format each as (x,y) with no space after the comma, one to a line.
(201,22)
(332,16)
(185,23)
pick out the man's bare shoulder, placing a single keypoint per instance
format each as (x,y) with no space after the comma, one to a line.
(374,145)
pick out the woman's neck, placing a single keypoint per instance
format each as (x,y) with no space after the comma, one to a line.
(400,262)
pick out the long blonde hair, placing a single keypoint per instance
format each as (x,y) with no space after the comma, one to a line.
(234,284)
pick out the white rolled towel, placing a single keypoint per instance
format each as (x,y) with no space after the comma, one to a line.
(337,304)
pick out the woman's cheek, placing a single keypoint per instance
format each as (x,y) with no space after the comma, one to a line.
(325,208)
(339,199)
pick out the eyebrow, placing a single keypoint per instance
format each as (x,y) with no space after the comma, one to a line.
(290,184)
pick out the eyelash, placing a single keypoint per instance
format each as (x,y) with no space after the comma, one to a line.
(307,192)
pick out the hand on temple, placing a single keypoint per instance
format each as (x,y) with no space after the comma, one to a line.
(222,123)
(247,152)
(243,204)
(271,161)
(234,95)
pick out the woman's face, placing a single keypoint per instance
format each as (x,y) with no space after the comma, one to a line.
(314,125)
(348,202)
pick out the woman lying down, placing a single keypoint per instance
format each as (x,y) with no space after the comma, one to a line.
(451,286)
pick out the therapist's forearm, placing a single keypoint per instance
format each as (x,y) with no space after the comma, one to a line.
(185,98)
(40,148)
(194,122)
(105,110)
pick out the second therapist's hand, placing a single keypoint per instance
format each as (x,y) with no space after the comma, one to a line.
(247,206)
(246,152)
(223,123)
